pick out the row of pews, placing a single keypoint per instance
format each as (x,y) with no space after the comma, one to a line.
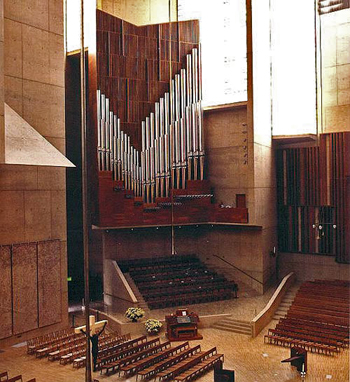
(151,359)
(147,358)
(69,347)
(318,319)
(177,280)
(4,377)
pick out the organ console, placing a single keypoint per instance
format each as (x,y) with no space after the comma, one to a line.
(182,326)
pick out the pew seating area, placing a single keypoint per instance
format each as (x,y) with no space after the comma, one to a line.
(4,377)
(318,319)
(151,359)
(36,343)
(177,280)
(68,347)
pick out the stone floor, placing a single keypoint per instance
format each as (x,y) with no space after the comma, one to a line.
(242,308)
(252,360)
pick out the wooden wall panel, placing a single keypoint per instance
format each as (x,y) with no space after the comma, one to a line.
(49,282)
(6,292)
(25,287)
(133,65)
(313,188)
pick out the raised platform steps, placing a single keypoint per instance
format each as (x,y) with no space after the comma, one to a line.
(236,326)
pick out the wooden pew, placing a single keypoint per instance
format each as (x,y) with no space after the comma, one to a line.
(148,348)
(15,379)
(187,364)
(167,363)
(160,352)
(201,368)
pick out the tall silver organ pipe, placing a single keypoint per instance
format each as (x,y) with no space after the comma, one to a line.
(172,145)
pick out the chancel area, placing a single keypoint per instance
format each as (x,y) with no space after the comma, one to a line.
(174,190)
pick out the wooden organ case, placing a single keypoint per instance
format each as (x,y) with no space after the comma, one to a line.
(182,326)
(146,125)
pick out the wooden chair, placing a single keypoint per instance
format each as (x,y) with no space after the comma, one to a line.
(4,376)
(15,379)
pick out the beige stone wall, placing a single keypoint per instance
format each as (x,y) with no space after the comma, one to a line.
(33,199)
(335,71)
(140,12)
(310,267)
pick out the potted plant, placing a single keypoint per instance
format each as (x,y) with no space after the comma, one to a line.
(134,313)
(153,326)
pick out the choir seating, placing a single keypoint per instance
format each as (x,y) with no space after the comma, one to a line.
(318,319)
(177,280)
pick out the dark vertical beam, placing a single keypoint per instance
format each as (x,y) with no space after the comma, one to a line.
(84,195)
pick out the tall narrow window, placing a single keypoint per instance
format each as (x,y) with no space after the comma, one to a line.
(73,9)
(293,67)
(224,51)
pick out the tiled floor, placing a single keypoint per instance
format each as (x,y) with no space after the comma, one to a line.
(252,360)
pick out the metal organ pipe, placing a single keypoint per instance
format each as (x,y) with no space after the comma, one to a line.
(172,145)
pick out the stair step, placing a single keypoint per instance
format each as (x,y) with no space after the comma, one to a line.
(234,330)
(234,324)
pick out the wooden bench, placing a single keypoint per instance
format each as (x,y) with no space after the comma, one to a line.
(312,331)
(189,363)
(201,368)
(159,352)
(148,348)
(309,346)
(15,379)
(170,361)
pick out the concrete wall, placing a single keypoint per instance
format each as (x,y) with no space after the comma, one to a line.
(33,199)
(335,71)
(140,12)
(310,267)
(264,162)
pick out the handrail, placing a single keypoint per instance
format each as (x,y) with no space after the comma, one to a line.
(265,316)
(253,278)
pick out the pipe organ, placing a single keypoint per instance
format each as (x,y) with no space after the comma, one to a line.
(172,144)
(145,93)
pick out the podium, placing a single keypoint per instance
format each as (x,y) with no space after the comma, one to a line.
(182,326)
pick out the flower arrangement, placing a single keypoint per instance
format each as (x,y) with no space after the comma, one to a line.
(153,326)
(134,313)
